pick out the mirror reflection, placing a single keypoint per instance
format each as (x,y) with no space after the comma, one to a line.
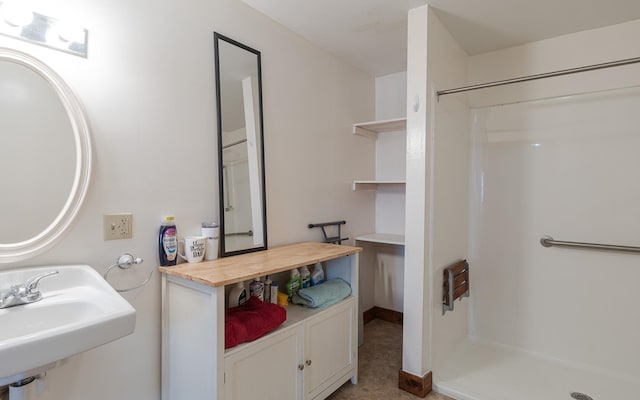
(36,137)
(45,152)
(241,149)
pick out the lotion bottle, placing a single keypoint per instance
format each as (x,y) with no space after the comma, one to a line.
(274,293)
(168,242)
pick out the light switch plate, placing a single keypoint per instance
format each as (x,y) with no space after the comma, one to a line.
(117,226)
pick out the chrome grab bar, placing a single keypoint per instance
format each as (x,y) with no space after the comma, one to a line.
(247,233)
(548,241)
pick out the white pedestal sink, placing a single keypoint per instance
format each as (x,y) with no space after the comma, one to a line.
(79,310)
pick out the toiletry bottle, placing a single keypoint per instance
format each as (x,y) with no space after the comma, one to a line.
(267,290)
(168,242)
(238,295)
(256,289)
(305,277)
(294,283)
(317,275)
(274,292)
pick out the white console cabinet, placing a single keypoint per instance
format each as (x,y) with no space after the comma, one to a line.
(308,357)
(307,361)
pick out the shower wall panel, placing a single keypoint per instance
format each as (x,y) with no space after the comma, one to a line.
(567,167)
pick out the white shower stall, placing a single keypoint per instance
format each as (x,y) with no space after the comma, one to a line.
(547,322)
(557,157)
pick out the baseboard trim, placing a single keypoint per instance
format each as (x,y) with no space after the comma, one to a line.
(383,314)
(369,315)
(418,386)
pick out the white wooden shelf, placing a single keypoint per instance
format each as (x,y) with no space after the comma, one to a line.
(386,238)
(371,129)
(373,184)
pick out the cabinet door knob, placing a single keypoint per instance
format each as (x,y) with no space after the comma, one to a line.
(300,367)
(308,362)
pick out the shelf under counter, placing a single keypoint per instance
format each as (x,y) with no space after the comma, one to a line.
(386,238)
(296,314)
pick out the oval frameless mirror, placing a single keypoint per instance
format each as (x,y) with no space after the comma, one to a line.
(240,148)
(45,153)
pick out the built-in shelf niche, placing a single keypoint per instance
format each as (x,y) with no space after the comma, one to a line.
(390,181)
(373,184)
(371,129)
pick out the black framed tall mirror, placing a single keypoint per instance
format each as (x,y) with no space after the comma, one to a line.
(243,217)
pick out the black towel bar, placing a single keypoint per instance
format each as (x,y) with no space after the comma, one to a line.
(333,239)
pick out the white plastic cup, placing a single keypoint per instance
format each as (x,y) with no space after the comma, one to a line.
(211,231)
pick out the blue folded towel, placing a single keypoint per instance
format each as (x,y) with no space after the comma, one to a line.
(323,295)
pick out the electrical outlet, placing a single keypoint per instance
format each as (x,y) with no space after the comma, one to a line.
(117,226)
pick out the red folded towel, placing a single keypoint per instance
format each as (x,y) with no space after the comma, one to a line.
(251,321)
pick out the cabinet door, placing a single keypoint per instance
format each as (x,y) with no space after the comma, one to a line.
(267,369)
(330,351)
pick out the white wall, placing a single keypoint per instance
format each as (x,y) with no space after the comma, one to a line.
(437,191)
(595,46)
(559,167)
(148,89)
(449,171)
(391,96)
(415,348)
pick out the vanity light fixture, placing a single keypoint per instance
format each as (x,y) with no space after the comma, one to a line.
(18,22)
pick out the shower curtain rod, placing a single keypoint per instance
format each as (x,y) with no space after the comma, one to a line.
(540,76)
(548,241)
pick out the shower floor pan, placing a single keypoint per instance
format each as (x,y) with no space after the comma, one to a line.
(487,372)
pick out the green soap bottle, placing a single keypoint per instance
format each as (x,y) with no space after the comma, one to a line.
(294,284)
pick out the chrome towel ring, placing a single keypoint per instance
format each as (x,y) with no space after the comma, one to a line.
(125,261)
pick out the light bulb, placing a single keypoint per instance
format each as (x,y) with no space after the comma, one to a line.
(16,13)
(71,33)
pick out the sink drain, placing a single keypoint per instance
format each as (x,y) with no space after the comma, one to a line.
(580,396)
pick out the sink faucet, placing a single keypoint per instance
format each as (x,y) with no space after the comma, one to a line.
(24,294)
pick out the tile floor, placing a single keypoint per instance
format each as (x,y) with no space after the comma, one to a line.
(379,361)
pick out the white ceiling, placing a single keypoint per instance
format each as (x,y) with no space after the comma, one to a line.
(371,34)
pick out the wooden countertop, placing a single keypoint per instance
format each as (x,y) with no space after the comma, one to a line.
(228,270)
